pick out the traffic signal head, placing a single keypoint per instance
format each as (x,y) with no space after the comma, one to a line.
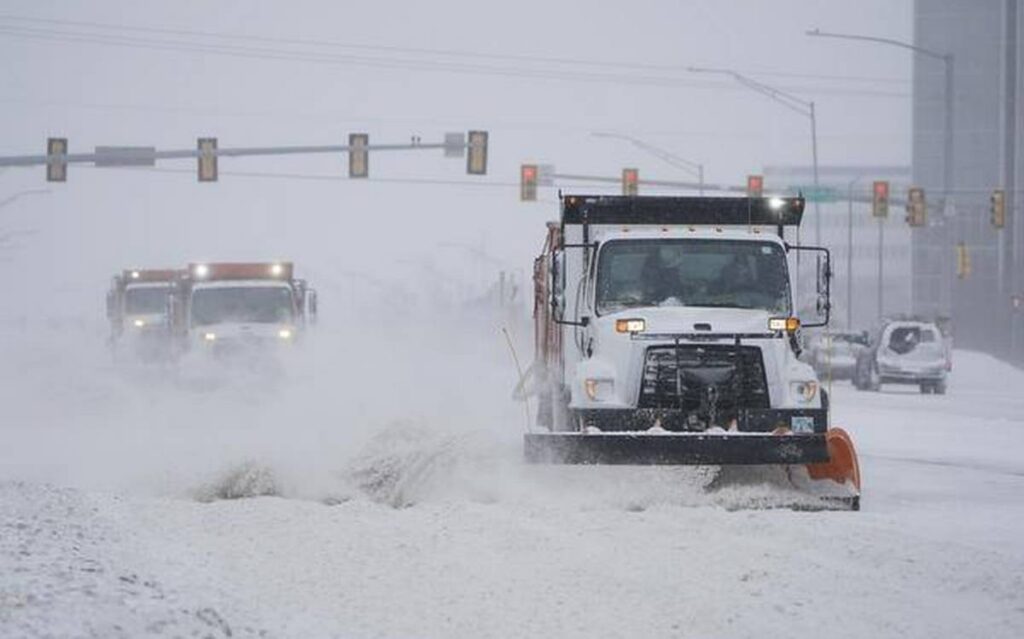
(755,185)
(358,155)
(916,207)
(528,182)
(476,159)
(880,199)
(56,163)
(963,261)
(207,169)
(630,182)
(997,208)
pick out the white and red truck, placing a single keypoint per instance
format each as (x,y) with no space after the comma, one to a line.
(225,308)
(137,309)
(665,333)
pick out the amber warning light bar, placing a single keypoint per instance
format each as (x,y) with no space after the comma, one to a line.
(241,271)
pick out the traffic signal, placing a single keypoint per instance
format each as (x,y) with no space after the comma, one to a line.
(998,208)
(207,164)
(963,261)
(755,185)
(358,155)
(880,199)
(57,167)
(917,208)
(630,182)
(476,159)
(528,182)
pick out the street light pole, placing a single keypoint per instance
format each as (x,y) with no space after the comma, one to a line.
(10,199)
(947,161)
(793,103)
(691,167)
(849,252)
(947,59)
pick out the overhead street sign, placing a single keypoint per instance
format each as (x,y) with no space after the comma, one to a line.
(125,156)
(454,145)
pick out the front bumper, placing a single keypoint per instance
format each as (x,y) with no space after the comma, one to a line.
(748,420)
(646,449)
(905,375)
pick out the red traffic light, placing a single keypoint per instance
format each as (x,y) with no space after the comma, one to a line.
(630,182)
(755,185)
(880,201)
(528,182)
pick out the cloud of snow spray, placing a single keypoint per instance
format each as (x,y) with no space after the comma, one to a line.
(400,408)
(400,411)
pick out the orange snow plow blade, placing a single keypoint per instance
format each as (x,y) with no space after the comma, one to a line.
(842,466)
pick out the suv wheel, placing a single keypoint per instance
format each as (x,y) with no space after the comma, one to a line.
(874,379)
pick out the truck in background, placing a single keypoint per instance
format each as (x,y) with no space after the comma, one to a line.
(232,308)
(137,309)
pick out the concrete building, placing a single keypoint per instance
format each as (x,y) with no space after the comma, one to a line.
(982,42)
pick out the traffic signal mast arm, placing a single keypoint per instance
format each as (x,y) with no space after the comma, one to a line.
(207,151)
(140,156)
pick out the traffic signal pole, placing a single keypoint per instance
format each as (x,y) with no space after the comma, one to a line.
(881,261)
(849,253)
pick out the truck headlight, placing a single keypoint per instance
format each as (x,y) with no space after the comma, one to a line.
(209,337)
(599,390)
(804,392)
(788,324)
(285,333)
(635,325)
(139,323)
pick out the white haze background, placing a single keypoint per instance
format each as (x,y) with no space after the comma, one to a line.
(395,262)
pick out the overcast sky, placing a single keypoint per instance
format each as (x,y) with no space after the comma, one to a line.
(142,73)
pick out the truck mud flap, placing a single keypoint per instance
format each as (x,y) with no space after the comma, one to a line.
(646,449)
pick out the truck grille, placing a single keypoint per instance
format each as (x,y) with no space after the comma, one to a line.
(710,382)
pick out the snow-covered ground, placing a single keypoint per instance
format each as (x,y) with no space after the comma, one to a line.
(395,505)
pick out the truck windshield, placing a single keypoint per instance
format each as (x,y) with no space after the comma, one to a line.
(145,300)
(257,304)
(692,272)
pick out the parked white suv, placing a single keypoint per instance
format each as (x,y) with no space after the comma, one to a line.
(904,352)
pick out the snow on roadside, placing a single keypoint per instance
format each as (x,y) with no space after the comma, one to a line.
(65,571)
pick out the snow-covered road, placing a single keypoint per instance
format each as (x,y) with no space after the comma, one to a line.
(441,531)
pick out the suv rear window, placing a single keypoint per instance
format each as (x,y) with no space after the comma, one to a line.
(904,339)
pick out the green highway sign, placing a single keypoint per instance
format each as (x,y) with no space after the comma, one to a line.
(817,194)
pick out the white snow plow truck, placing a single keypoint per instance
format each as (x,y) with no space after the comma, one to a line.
(137,311)
(230,308)
(665,334)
